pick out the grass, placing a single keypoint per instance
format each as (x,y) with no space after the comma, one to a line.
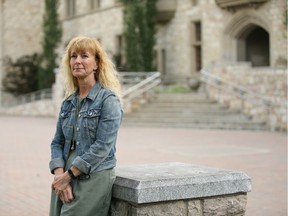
(177,88)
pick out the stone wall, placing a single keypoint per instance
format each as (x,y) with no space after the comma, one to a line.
(223,28)
(104,24)
(21,33)
(179,189)
(220,31)
(268,83)
(21,24)
(43,108)
(232,205)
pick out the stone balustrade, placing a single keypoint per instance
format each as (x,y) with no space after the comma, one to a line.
(268,82)
(179,189)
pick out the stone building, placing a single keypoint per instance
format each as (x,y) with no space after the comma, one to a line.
(20,30)
(191,35)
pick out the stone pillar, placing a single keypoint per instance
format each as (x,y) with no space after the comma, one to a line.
(57,92)
(179,189)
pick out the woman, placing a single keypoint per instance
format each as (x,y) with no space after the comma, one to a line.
(83,148)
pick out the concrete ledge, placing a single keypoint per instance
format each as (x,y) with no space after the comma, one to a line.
(176,181)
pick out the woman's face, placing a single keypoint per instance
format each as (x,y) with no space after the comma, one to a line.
(83,64)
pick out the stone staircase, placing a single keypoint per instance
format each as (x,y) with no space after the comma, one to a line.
(188,110)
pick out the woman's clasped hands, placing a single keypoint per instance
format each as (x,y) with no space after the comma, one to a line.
(62,187)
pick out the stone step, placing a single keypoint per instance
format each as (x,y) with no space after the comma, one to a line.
(219,126)
(189,110)
(182,98)
(190,103)
(184,112)
(195,119)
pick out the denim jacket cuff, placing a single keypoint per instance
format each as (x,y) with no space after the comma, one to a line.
(56,163)
(82,165)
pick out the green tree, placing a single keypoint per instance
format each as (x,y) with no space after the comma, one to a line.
(139,33)
(52,33)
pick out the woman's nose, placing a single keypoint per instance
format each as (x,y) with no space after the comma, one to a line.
(78,59)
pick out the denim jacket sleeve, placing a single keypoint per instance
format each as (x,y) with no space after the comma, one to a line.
(57,146)
(106,133)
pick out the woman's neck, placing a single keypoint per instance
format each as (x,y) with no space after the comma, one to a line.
(85,87)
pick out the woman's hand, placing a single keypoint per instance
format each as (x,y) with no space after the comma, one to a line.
(61,182)
(61,185)
(66,195)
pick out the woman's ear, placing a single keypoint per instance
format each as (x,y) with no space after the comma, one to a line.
(96,66)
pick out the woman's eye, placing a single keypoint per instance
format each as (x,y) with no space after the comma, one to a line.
(73,56)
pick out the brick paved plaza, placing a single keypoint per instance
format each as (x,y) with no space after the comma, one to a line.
(25,153)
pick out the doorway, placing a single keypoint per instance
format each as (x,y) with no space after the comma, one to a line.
(253,46)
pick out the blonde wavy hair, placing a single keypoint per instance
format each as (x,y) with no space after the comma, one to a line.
(106,73)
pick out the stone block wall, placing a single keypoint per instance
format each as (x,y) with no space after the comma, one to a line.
(269,83)
(179,189)
(232,205)
(105,24)
(44,108)
(21,28)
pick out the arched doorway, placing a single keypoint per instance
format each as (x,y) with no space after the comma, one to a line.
(253,46)
(246,39)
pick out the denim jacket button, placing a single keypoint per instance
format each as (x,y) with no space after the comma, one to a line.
(77,143)
(77,128)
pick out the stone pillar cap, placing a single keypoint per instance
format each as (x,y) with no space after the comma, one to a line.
(175,181)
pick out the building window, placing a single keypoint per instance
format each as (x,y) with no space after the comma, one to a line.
(198,59)
(94,4)
(198,31)
(163,62)
(70,8)
(196,45)
(194,2)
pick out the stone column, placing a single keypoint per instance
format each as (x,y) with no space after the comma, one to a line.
(57,92)
(179,189)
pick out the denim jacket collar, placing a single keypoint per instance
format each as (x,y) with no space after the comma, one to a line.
(91,95)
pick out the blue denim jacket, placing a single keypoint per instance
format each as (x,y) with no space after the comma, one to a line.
(96,131)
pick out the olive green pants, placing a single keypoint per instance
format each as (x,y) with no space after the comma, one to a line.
(92,196)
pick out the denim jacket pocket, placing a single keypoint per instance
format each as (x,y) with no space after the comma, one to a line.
(91,118)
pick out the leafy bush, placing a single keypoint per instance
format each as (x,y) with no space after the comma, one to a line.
(21,75)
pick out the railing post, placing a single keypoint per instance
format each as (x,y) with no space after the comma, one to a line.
(242,101)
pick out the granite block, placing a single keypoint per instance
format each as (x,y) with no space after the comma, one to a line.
(175,181)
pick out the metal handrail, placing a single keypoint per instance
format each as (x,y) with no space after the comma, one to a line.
(141,82)
(131,78)
(142,87)
(239,91)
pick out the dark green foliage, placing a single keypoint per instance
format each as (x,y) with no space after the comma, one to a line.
(21,75)
(139,33)
(52,32)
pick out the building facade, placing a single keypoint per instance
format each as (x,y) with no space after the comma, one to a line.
(20,31)
(191,34)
